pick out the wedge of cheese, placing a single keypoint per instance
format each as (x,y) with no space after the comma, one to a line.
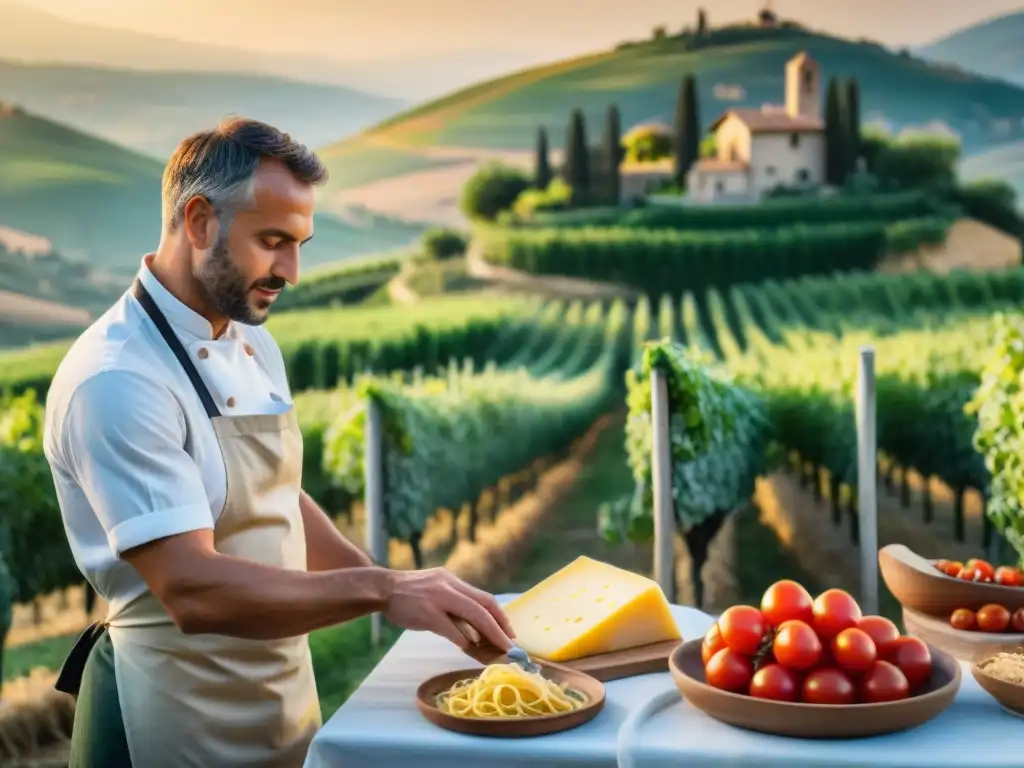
(590,607)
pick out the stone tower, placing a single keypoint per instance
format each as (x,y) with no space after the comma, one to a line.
(803,87)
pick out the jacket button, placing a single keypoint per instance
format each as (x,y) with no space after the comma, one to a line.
(231,402)
(248,350)
(203,353)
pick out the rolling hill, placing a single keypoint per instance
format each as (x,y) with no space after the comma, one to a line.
(153,111)
(991,47)
(734,66)
(100,203)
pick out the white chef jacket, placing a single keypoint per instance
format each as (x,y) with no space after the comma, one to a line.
(133,453)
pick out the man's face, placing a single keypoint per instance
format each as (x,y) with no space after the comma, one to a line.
(251,261)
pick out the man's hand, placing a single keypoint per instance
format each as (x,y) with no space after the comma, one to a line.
(430,599)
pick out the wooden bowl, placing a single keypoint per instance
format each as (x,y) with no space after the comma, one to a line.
(814,721)
(593,690)
(920,586)
(960,644)
(1009,695)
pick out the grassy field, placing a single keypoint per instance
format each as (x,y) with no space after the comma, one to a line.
(99,202)
(643,80)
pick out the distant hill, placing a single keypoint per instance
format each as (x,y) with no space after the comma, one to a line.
(153,111)
(1005,161)
(734,67)
(33,36)
(994,47)
(99,202)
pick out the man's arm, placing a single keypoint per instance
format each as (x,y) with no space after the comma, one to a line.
(326,548)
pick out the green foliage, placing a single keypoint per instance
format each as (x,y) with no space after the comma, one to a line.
(687,130)
(339,285)
(542,174)
(998,405)
(556,197)
(717,434)
(676,260)
(443,243)
(493,188)
(647,144)
(914,162)
(576,168)
(992,201)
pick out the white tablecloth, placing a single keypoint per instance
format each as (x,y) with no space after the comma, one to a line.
(644,724)
(380,726)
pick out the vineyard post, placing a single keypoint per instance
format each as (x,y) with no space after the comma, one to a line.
(661,467)
(867,477)
(373,473)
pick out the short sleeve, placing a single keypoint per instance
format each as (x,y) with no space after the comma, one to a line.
(123,436)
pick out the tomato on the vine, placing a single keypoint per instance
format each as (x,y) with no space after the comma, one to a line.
(993,618)
(828,686)
(796,645)
(882,631)
(1008,577)
(834,610)
(963,619)
(914,660)
(742,628)
(854,650)
(775,682)
(785,601)
(712,644)
(729,671)
(883,682)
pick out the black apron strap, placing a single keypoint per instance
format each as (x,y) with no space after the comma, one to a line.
(69,680)
(176,346)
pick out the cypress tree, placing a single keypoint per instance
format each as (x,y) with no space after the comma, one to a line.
(686,141)
(612,154)
(577,165)
(542,167)
(835,130)
(702,21)
(853,141)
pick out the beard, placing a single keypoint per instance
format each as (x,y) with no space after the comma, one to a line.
(226,289)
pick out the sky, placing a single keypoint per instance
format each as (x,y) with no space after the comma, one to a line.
(358,29)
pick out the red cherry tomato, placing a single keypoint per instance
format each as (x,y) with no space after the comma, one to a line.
(828,686)
(963,619)
(712,644)
(729,671)
(883,682)
(949,567)
(1017,620)
(882,631)
(742,628)
(834,610)
(854,650)
(1008,577)
(796,646)
(988,573)
(774,682)
(993,618)
(971,573)
(914,660)
(785,601)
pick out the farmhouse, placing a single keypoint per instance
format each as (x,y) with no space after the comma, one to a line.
(758,149)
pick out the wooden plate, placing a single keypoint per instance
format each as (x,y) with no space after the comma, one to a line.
(920,586)
(426,700)
(814,721)
(1009,695)
(966,646)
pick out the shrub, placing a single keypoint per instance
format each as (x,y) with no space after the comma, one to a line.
(556,197)
(646,144)
(442,243)
(492,189)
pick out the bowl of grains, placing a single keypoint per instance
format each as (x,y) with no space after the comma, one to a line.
(1002,677)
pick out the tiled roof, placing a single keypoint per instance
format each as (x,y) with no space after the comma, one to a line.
(715,164)
(771,121)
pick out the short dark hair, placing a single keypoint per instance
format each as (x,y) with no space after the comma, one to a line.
(219,165)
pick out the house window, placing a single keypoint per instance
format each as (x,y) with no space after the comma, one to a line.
(734,153)
(770,171)
(808,81)
(794,140)
(719,187)
(803,175)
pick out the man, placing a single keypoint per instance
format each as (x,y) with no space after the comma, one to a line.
(177,461)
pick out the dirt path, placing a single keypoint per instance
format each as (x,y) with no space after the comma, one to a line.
(562,286)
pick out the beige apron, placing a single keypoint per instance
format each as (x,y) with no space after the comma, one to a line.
(211,700)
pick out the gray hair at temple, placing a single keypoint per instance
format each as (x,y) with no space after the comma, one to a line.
(219,165)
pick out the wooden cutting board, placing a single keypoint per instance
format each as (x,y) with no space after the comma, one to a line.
(641,660)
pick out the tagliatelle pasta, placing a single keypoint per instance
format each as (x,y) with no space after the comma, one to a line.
(507,690)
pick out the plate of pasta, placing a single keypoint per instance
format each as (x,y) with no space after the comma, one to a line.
(507,701)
